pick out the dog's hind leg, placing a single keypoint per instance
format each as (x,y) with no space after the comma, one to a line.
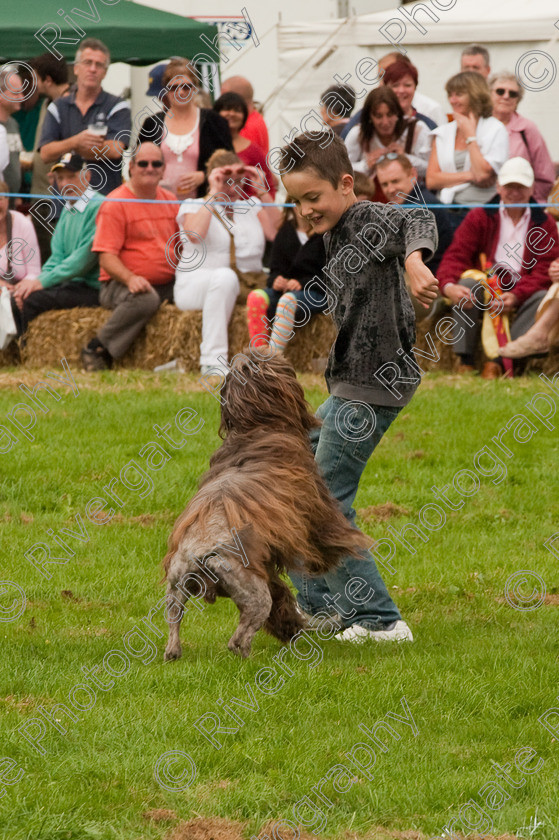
(176,599)
(284,620)
(252,597)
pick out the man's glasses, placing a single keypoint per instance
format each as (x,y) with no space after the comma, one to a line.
(98,65)
(388,156)
(143,164)
(514,94)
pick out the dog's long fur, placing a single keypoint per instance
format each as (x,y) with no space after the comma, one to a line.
(263,490)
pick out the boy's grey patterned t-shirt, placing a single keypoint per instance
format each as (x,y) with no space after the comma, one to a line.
(369,360)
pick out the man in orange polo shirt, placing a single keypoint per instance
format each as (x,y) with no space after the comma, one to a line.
(131,240)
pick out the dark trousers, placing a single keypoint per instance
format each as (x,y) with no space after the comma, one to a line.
(65,296)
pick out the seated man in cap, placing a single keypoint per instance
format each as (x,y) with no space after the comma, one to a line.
(516,246)
(70,276)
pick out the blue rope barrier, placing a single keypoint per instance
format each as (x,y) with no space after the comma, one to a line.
(264,204)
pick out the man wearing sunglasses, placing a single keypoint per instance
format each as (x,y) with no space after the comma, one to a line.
(131,240)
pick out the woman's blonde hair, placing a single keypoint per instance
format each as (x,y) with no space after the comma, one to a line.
(179,67)
(477,89)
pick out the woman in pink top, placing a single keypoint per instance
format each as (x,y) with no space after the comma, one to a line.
(188,135)
(24,262)
(525,139)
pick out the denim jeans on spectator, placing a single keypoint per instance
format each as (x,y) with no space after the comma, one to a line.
(350,432)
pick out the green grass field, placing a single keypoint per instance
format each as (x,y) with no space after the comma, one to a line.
(479,675)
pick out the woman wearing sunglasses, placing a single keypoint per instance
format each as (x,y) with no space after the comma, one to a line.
(470,149)
(188,135)
(525,139)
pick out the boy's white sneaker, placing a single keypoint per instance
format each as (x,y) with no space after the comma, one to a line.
(398,631)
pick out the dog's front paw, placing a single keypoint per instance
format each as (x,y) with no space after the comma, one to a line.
(172,652)
(239,648)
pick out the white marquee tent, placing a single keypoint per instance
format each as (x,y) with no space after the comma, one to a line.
(522,36)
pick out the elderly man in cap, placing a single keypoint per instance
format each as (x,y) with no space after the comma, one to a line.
(70,277)
(519,244)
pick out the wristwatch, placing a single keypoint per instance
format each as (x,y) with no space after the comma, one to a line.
(470,139)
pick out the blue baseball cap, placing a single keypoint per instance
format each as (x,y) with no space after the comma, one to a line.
(155,79)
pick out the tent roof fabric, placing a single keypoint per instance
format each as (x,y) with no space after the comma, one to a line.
(472,21)
(134,34)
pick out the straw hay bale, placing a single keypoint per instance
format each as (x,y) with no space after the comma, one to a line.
(172,334)
(10,356)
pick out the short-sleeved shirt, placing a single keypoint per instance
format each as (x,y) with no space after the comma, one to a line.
(138,234)
(64,119)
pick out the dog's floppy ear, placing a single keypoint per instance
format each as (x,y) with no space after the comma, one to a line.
(262,392)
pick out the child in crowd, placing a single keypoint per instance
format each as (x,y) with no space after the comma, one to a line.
(371,373)
(297,258)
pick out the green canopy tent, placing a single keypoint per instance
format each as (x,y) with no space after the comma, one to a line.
(134,34)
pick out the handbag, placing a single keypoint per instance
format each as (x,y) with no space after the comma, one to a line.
(248,280)
(8,328)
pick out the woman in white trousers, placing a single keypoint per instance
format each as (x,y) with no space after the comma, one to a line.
(204,277)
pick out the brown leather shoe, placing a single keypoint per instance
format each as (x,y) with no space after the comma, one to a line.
(465,369)
(492,370)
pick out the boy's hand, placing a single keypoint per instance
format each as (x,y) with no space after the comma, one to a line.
(423,283)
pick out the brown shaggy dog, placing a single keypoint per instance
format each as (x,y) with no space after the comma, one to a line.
(261,509)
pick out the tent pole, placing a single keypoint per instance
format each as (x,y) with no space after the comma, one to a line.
(280,87)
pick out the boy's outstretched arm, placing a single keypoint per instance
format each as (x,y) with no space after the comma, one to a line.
(423,283)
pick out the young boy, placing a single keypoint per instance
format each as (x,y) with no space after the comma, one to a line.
(371,374)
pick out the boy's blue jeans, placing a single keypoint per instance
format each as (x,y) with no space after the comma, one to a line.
(342,446)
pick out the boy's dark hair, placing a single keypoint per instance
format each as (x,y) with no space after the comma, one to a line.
(232,102)
(48,65)
(364,186)
(339,98)
(324,152)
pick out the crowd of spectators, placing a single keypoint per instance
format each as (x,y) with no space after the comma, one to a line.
(71,139)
